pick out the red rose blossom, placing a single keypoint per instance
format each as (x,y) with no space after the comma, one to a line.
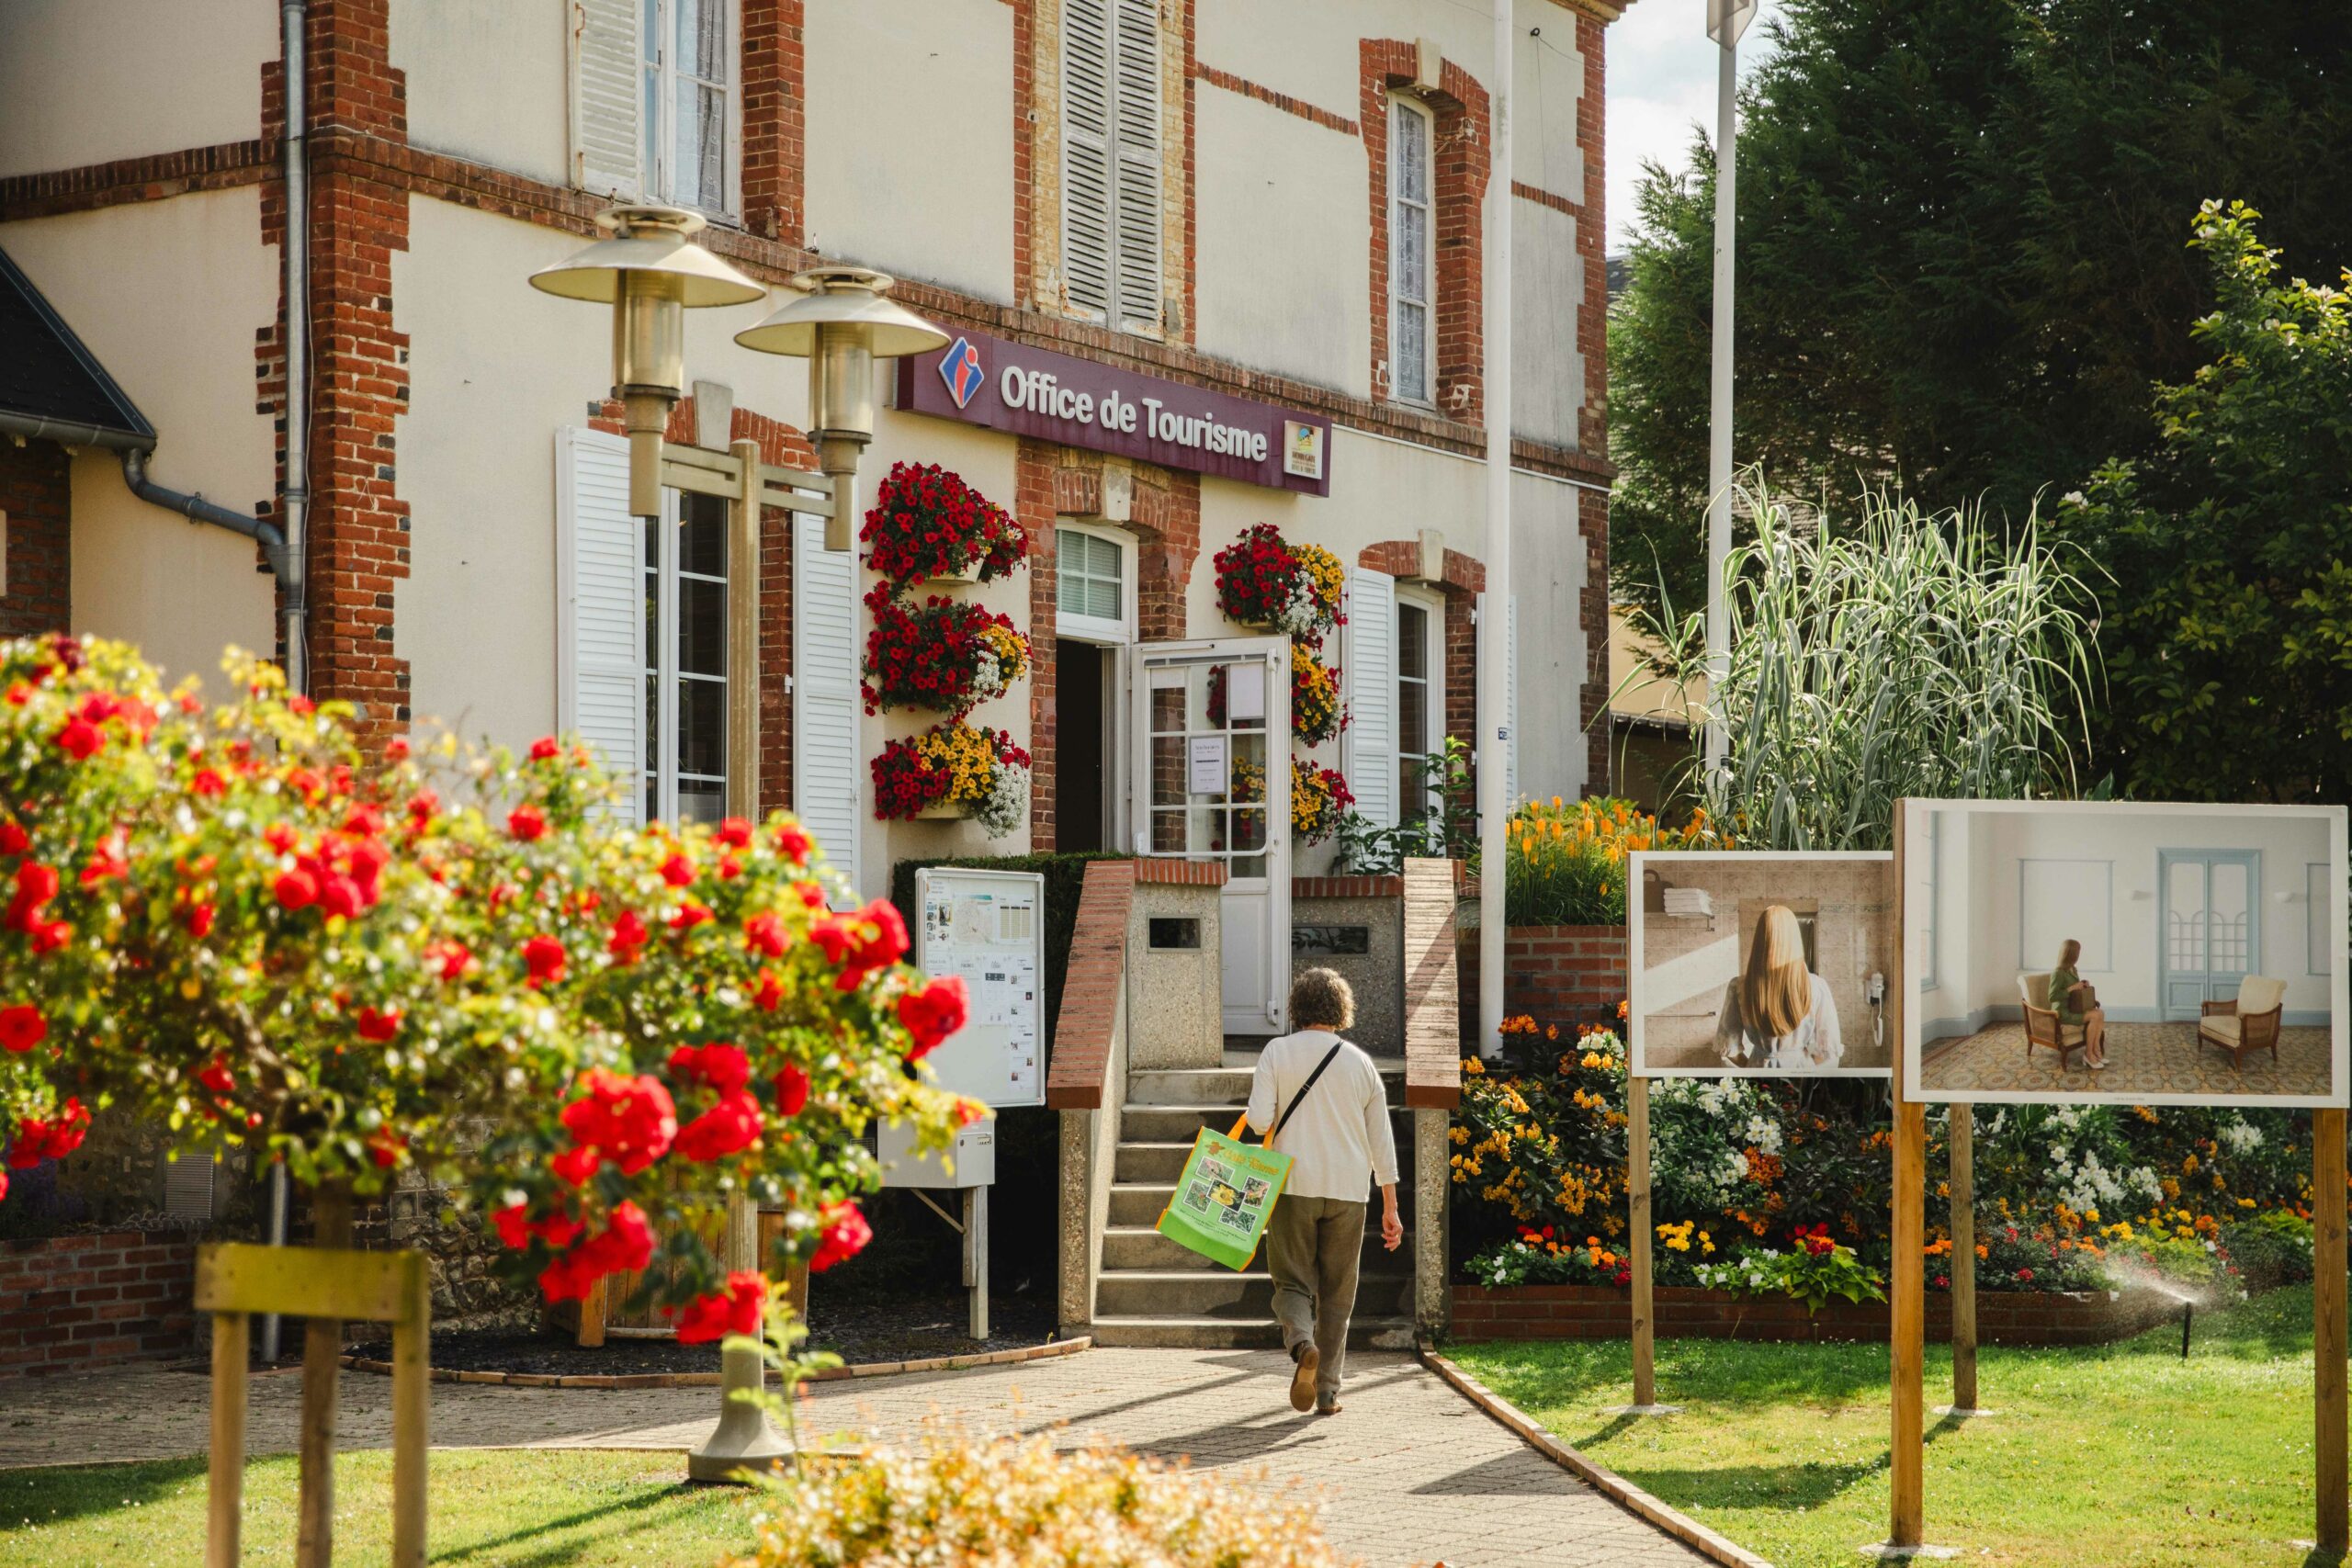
(791,1089)
(528,823)
(735,1310)
(934,1013)
(844,1235)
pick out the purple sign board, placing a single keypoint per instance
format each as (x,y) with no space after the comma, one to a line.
(1079,402)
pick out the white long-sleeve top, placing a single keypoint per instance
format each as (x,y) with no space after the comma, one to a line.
(1816,1043)
(1340,1138)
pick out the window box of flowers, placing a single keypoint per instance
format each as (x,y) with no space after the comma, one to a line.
(927,527)
(1320,796)
(1263,580)
(942,654)
(954,770)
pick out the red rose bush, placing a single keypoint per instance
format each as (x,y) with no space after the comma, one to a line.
(228,921)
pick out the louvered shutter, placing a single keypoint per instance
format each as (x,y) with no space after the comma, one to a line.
(600,560)
(1135,206)
(1372,766)
(1087,51)
(607,136)
(824,693)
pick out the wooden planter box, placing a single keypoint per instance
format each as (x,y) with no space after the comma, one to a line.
(2003,1317)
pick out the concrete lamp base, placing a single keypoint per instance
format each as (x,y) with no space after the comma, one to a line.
(1642,1410)
(742,1440)
(1886,1554)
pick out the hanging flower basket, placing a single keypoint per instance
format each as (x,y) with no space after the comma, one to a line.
(926,524)
(1320,796)
(1263,580)
(1315,714)
(944,654)
(957,770)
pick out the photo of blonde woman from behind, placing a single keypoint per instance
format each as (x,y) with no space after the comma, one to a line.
(1777,1015)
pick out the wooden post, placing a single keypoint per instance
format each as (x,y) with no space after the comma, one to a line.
(412,1403)
(2327,1327)
(226,1493)
(1637,1209)
(322,1352)
(1964,1258)
(1906,1510)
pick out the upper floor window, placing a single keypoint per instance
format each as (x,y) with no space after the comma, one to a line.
(1111,161)
(1089,585)
(1411,249)
(688,124)
(685,659)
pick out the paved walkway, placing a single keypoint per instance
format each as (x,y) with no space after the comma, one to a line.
(1409,1472)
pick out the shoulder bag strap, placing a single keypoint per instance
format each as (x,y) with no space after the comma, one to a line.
(1304,1090)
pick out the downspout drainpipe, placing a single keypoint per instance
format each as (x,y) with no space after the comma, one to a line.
(198,510)
(294,85)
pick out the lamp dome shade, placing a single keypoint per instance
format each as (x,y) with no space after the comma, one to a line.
(651,240)
(844,296)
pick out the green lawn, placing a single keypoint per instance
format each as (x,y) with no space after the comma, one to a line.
(2101,1458)
(490,1510)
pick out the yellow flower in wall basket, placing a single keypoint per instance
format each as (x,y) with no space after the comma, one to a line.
(954,770)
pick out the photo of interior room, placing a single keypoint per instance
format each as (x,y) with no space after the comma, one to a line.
(2127,952)
(1760,964)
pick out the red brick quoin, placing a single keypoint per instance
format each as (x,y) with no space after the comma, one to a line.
(35,497)
(90,1300)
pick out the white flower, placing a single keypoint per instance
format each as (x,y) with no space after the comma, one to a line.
(1006,805)
(2241,1136)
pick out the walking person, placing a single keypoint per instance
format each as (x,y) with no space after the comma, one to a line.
(1320,1101)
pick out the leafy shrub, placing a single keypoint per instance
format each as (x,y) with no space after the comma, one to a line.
(1813,1270)
(1447,830)
(2270,1249)
(951,1498)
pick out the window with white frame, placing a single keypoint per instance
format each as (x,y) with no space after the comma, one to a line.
(688,50)
(1420,697)
(1089,585)
(685,669)
(1111,161)
(1930,972)
(1412,255)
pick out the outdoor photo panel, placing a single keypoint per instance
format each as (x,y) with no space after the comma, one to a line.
(1774,965)
(2196,951)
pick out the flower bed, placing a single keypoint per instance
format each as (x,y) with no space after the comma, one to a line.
(2003,1317)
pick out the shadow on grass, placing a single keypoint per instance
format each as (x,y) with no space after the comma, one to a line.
(57,1496)
(560,1555)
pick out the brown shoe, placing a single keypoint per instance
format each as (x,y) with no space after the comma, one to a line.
(1327,1407)
(1301,1377)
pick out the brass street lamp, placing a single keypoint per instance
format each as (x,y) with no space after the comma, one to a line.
(840,323)
(650,270)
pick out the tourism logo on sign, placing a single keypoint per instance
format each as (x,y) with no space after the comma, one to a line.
(960,368)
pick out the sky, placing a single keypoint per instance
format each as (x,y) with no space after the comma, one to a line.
(1662,70)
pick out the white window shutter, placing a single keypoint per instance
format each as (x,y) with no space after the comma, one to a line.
(1136,204)
(825,701)
(606,99)
(600,634)
(1087,54)
(1372,762)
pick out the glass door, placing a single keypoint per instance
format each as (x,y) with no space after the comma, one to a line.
(2211,925)
(1211,783)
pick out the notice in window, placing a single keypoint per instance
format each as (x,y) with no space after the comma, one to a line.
(1209,770)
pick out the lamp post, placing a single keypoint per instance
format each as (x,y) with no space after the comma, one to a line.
(840,323)
(650,270)
(1726,19)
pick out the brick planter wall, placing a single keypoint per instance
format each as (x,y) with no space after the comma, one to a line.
(1555,973)
(2003,1317)
(89,1301)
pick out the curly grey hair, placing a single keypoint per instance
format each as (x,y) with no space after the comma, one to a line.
(1319,999)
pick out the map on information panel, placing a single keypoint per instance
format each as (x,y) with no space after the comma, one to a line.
(988,927)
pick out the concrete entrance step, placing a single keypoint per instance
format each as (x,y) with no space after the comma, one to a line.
(1160,1164)
(1220,1292)
(1364,1333)
(1142,1247)
(1188,1086)
(1168,1124)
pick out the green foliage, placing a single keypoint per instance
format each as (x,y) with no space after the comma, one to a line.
(1564,861)
(2228,638)
(1447,830)
(1815,1271)
(2270,1249)
(1904,653)
(1957,274)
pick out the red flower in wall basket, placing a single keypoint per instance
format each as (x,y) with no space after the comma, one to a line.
(1263,580)
(926,522)
(943,654)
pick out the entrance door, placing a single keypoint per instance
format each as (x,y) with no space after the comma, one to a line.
(1211,783)
(2212,913)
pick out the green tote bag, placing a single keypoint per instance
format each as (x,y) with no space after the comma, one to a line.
(1227,1191)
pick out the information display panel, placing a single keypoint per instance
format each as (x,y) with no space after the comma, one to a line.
(988,928)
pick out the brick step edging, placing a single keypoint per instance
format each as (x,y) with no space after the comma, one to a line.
(619,1381)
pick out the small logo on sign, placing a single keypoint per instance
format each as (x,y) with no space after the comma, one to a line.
(960,368)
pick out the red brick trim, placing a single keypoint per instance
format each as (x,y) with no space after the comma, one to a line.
(36,502)
(1079,1069)
(775,122)
(1347,888)
(1283,101)
(152,177)
(1460,163)
(1025,149)
(80,1301)
(1162,872)
(444,178)
(1186,328)
(1402,557)
(1551,199)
